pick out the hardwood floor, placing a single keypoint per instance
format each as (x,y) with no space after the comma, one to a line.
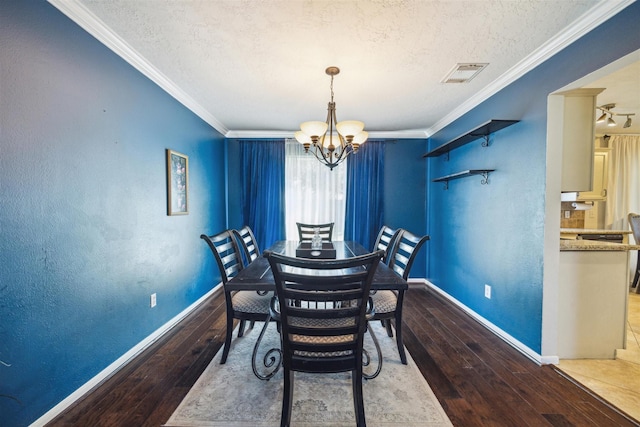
(478,378)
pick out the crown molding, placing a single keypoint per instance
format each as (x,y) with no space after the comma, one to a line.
(400,134)
(581,26)
(257,134)
(82,16)
(78,13)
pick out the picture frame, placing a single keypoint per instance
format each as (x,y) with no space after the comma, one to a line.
(177,183)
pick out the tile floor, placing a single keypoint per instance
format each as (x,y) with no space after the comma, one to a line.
(618,380)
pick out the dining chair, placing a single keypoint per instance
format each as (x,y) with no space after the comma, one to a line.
(242,305)
(634,222)
(320,333)
(248,243)
(384,241)
(388,303)
(306,231)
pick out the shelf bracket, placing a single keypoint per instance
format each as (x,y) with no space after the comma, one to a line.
(485,178)
(446,184)
(485,143)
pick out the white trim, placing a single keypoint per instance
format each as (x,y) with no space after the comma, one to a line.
(522,348)
(587,22)
(258,134)
(82,16)
(119,363)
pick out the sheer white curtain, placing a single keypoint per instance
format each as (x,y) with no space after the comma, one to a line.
(623,186)
(314,194)
(623,192)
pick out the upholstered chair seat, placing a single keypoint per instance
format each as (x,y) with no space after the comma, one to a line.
(251,302)
(385,301)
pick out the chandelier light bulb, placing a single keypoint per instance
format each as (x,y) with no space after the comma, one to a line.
(314,128)
(302,137)
(360,138)
(350,127)
(610,121)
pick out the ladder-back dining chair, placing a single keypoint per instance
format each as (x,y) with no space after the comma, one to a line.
(387,303)
(319,332)
(306,231)
(634,222)
(248,243)
(242,305)
(384,241)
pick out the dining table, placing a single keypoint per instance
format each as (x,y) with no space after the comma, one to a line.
(257,276)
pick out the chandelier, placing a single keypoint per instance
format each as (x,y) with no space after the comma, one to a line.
(332,141)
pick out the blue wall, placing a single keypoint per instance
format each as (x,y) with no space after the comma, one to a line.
(494,234)
(85,238)
(405,192)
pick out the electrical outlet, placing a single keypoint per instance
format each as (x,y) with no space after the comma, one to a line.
(152,300)
(567,214)
(487,291)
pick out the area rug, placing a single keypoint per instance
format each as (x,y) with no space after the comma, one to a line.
(230,395)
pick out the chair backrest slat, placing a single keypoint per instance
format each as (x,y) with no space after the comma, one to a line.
(404,252)
(226,252)
(248,243)
(306,231)
(385,240)
(634,222)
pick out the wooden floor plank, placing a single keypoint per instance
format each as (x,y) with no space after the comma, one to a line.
(479,379)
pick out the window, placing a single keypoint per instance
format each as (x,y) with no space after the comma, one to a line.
(314,194)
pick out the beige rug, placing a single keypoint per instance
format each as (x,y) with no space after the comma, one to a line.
(230,395)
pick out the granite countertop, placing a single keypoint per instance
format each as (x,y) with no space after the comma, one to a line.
(592,231)
(595,245)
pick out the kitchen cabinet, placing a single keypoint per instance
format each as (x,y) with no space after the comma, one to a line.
(572,123)
(593,304)
(592,299)
(600,174)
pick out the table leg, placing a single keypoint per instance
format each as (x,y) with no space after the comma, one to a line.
(272,359)
(367,359)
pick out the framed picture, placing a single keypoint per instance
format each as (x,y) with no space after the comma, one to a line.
(177,183)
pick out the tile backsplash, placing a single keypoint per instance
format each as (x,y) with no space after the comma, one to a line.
(575,220)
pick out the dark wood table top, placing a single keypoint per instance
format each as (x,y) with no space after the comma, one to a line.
(257,276)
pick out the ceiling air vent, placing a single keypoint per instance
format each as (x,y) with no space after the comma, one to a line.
(463,73)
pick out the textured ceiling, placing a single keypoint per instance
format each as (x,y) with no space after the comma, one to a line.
(256,68)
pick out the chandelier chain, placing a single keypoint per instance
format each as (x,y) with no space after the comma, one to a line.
(332,88)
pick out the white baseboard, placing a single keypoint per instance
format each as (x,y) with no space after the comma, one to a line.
(119,363)
(522,348)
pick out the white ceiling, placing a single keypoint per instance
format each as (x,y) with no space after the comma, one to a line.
(257,68)
(622,88)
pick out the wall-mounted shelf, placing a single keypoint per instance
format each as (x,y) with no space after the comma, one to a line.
(482,131)
(462,174)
